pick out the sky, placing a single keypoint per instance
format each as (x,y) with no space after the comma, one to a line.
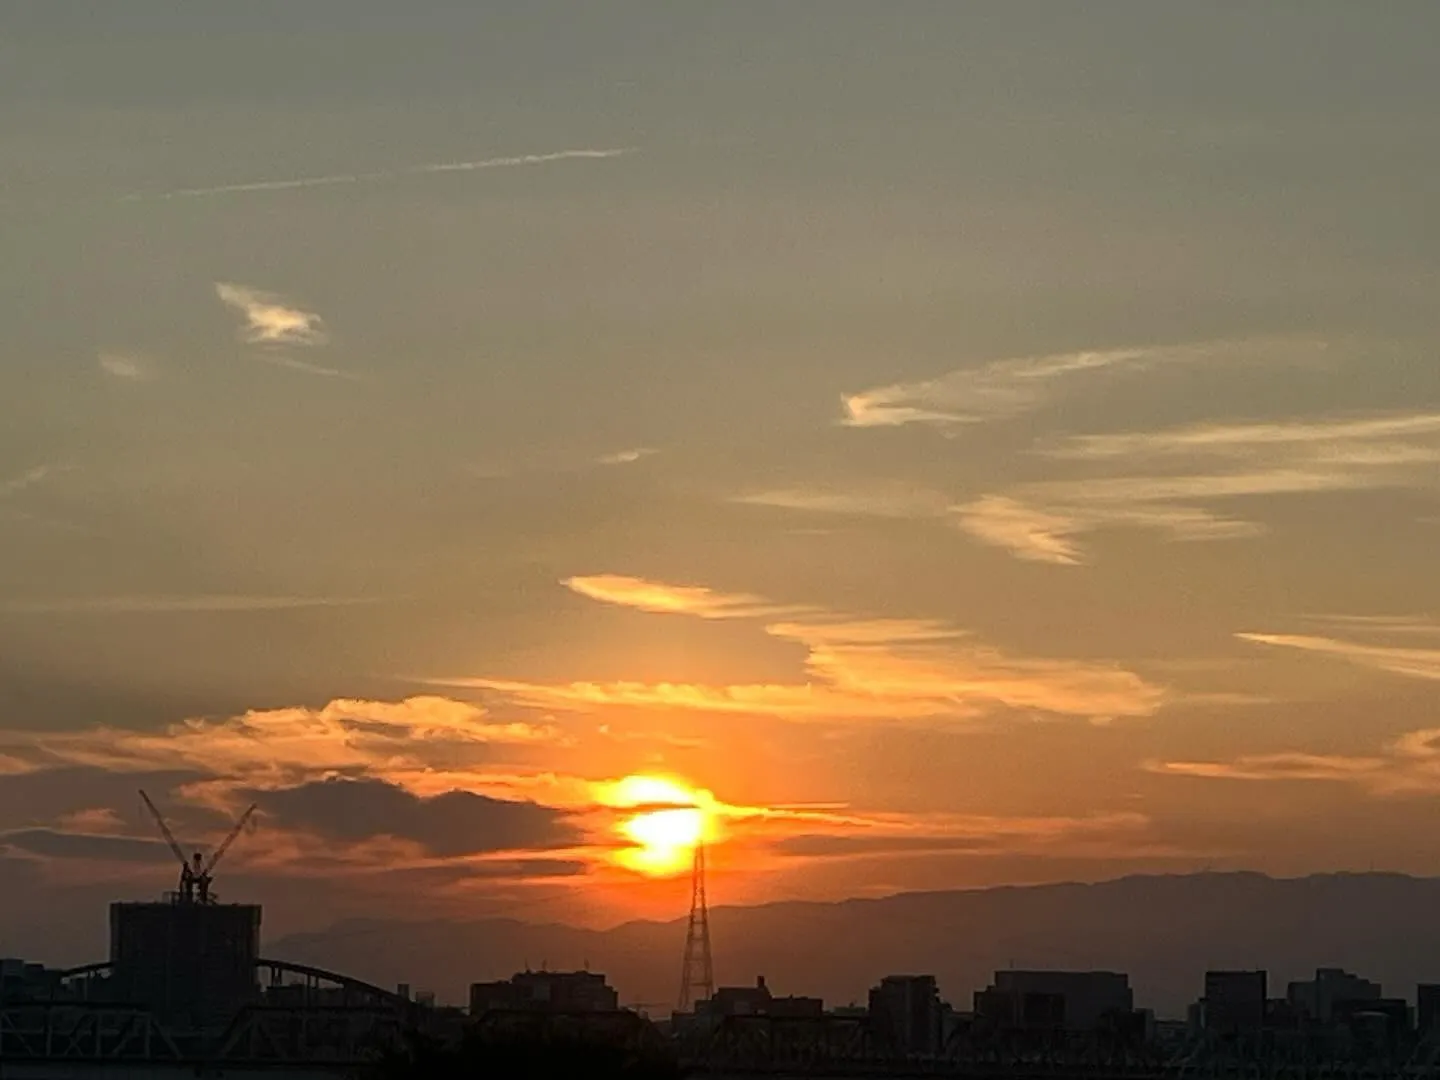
(908,446)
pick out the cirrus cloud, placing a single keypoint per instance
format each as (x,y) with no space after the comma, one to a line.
(127,366)
(1417,663)
(1179,481)
(270,320)
(858,669)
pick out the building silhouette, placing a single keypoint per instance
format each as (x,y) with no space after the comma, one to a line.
(191,964)
(1234,1002)
(22,980)
(907,1015)
(1427,1008)
(1316,999)
(1054,1000)
(757,1000)
(545,991)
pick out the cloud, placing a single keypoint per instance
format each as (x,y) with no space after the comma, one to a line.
(52,843)
(976,834)
(308,368)
(1290,765)
(97,820)
(897,501)
(1406,765)
(1363,440)
(625,457)
(858,669)
(130,367)
(1027,531)
(995,391)
(27,479)
(271,321)
(160,605)
(1384,625)
(658,597)
(1202,465)
(445,825)
(1411,762)
(363,784)
(432,169)
(1008,388)
(1416,663)
(275,748)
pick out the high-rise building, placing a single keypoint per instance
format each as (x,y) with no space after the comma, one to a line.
(192,964)
(906,1014)
(1234,1001)
(1070,1000)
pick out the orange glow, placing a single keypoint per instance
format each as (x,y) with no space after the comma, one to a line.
(669,822)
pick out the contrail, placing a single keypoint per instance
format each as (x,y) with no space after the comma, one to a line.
(514,161)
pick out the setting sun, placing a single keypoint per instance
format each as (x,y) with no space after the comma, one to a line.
(668,822)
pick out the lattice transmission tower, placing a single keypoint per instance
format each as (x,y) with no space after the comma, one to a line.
(697,976)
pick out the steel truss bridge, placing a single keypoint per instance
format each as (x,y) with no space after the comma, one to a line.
(306,1018)
(833,1047)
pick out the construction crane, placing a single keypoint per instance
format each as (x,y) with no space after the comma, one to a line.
(196,873)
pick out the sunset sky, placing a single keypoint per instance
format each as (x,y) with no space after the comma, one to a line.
(921,445)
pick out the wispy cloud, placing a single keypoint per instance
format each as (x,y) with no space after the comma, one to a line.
(27,479)
(1289,765)
(141,605)
(129,366)
(1384,625)
(96,820)
(857,669)
(1029,532)
(309,368)
(893,501)
(973,834)
(1346,441)
(269,320)
(994,391)
(1411,762)
(661,598)
(1416,663)
(254,187)
(1408,764)
(1210,464)
(625,457)
(1007,388)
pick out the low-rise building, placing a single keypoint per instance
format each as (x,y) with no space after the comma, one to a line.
(1055,1000)
(907,1015)
(545,991)
(22,980)
(1316,999)
(1234,1002)
(757,1000)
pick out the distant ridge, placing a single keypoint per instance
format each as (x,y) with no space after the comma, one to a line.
(1164,930)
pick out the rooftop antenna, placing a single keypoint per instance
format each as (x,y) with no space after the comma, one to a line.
(196,873)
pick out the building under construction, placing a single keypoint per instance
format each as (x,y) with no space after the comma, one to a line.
(186,992)
(191,964)
(188,959)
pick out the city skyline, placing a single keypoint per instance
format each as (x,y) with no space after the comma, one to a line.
(512,445)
